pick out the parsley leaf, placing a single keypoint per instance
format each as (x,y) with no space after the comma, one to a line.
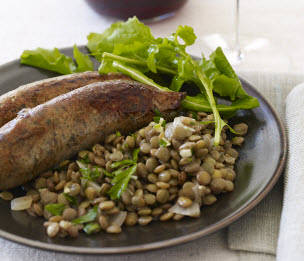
(55,209)
(72,200)
(90,174)
(88,217)
(120,182)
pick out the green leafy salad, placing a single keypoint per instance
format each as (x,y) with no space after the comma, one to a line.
(130,48)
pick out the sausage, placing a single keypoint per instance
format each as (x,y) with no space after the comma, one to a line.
(41,137)
(33,94)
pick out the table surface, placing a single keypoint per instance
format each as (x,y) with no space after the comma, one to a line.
(274,26)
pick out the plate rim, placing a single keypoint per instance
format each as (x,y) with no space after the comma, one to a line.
(181,239)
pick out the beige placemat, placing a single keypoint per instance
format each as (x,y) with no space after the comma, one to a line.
(258,230)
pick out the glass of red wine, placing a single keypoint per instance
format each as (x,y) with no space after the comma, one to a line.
(143,9)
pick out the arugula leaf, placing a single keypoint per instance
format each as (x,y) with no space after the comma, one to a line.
(51,60)
(91,228)
(55,209)
(121,37)
(56,61)
(120,182)
(71,199)
(224,80)
(83,61)
(88,217)
(186,33)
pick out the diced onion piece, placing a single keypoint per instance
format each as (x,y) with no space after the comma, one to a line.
(192,211)
(198,193)
(118,219)
(164,142)
(81,165)
(185,153)
(178,130)
(21,203)
(158,128)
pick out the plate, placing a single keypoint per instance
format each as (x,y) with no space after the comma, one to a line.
(261,162)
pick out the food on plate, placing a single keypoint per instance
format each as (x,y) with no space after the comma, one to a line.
(124,174)
(130,48)
(33,94)
(39,138)
(162,171)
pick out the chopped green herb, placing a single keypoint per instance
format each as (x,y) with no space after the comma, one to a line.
(89,217)
(72,200)
(156,119)
(120,182)
(90,174)
(164,142)
(91,228)
(55,209)
(107,173)
(194,115)
(117,164)
(135,154)
(118,134)
(157,112)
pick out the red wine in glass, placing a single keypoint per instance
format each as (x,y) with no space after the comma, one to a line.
(143,9)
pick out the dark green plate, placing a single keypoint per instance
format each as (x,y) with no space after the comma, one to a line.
(261,161)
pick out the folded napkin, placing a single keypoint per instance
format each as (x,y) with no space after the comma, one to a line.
(291,236)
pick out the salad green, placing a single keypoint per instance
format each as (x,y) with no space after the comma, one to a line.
(130,48)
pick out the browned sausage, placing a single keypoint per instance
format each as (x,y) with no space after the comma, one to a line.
(42,137)
(33,94)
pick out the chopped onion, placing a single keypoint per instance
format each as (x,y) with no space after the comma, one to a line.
(21,203)
(185,153)
(198,193)
(178,129)
(118,219)
(192,211)
(81,165)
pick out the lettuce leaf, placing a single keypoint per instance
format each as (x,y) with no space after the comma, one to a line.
(56,61)
(122,37)
(83,61)
(52,60)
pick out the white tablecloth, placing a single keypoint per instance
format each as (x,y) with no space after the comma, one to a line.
(274,70)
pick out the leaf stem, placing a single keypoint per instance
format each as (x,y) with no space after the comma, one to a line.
(137,75)
(135,61)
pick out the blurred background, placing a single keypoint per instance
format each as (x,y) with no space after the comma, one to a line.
(271,32)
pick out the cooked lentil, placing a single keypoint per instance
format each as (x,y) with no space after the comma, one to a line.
(177,168)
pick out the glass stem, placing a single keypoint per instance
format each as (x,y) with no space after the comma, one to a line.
(237,46)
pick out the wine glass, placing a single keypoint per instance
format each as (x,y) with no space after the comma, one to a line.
(235,46)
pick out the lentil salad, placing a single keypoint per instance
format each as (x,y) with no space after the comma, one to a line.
(173,170)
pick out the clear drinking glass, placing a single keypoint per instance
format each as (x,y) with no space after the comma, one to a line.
(237,47)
